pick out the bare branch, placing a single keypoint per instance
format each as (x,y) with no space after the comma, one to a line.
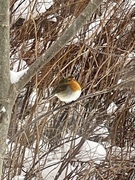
(104,91)
(59,44)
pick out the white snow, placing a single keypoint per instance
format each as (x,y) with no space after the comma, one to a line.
(98,24)
(56,154)
(112,108)
(101,131)
(124,152)
(19,65)
(130,57)
(18,178)
(132,109)
(90,150)
(25,9)
(28,158)
(3,109)
(33,97)
(52,168)
(119,81)
(52,18)
(15,76)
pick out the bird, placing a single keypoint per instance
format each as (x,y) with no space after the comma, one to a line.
(67,90)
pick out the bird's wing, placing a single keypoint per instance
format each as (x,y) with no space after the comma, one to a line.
(60,88)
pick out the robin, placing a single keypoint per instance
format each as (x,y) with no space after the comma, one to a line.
(68,90)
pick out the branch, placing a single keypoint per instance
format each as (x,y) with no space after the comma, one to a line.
(59,44)
(104,91)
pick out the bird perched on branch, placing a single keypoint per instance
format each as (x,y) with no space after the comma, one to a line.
(67,90)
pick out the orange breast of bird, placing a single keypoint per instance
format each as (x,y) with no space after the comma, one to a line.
(74,85)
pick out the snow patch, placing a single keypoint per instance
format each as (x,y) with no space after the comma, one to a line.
(19,65)
(33,97)
(25,9)
(101,131)
(3,109)
(112,108)
(119,81)
(15,76)
(52,168)
(18,178)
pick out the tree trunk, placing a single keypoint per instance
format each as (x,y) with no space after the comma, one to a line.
(5,107)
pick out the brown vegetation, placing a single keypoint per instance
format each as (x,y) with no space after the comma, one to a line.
(98,56)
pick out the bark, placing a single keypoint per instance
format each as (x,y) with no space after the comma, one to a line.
(5,110)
